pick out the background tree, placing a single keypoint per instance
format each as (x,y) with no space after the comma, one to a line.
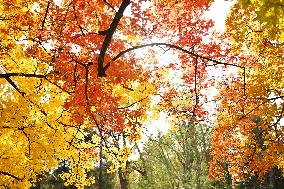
(177,159)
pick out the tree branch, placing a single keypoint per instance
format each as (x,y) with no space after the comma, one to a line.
(106,43)
(15,86)
(10,175)
(216,62)
(11,82)
(3,18)
(108,4)
(262,103)
(6,75)
(195,87)
(45,15)
(128,106)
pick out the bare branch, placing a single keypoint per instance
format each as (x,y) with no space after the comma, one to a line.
(262,103)
(2,18)
(45,15)
(128,88)
(108,4)
(195,86)
(15,86)
(24,94)
(190,52)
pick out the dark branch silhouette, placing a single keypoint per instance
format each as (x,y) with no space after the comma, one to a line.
(109,34)
(6,75)
(216,62)
(10,175)
(45,15)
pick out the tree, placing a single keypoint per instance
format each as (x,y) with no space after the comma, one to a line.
(177,159)
(247,140)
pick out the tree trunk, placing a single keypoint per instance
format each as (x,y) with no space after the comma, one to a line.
(101,168)
(122,179)
(271,179)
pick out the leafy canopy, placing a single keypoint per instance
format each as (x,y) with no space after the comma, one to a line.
(248,141)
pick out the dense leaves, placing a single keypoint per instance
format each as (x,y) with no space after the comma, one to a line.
(178,159)
(79,79)
(248,137)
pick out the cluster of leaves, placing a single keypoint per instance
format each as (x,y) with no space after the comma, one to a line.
(53,180)
(248,137)
(33,133)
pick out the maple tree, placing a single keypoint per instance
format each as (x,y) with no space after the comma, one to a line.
(248,137)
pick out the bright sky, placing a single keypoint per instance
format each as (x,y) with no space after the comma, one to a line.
(218,11)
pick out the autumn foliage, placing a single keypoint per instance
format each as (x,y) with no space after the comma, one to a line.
(80,78)
(248,137)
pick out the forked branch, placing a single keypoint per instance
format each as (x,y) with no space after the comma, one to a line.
(109,34)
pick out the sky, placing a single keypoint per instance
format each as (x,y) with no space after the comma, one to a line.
(218,11)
